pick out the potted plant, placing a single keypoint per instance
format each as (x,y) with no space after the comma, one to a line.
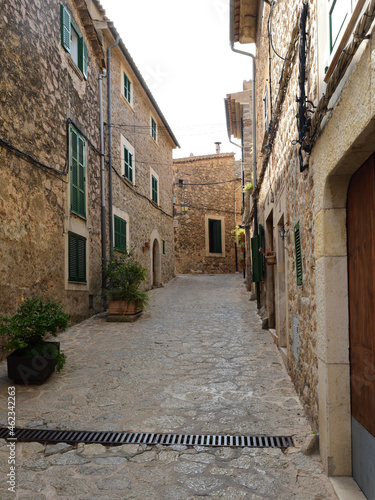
(34,359)
(269,255)
(125,276)
(248,187)
(243,262)
(241,234)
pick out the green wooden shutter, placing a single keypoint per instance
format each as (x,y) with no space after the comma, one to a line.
(297,241)
(78,173)
(74,170)
(256,256)
(77,257)
(82,56)
(214,236)
(127,88)
(154,186)
(65,28)
(120,234)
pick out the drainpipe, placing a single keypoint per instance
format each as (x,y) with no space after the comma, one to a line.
(249,54)
(102,180)
(110,210)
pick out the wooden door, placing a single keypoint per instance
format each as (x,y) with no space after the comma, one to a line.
(361,268)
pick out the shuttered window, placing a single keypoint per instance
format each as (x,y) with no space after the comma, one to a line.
(72,41)
(127,88)
(120,233)
(214,236)
(77,258)
(297,241)
(128,164)
(153,129)
(77,173)
(65,28)
(154,189)
(256,256)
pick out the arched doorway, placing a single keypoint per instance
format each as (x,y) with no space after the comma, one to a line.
(361,280)
(156,264)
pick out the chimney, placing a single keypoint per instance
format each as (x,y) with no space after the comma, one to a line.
(217,147)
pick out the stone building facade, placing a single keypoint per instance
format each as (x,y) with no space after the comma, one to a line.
(207,195)
(142,144)
(53,54)
(308,170)
(49,119)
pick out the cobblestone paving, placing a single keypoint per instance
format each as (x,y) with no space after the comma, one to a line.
(196,362)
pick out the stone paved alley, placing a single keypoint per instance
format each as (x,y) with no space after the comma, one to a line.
(196,362)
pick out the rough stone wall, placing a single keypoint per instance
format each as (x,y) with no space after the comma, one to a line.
(40,89)
(284,186)
(216,200)
(147,220)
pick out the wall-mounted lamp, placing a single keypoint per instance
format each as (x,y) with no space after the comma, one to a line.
(184,207)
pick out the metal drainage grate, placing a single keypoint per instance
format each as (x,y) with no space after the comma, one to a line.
(119,438)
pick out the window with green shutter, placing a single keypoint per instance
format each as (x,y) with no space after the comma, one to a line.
(77,257)
(154,189)
(297,241)
(128,165)
(153,129)
(72,41)
(77,173)
(120,234)
(256,256)
(214,236)
(127,88)
(65,28)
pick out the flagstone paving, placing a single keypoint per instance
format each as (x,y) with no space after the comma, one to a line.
(197,362)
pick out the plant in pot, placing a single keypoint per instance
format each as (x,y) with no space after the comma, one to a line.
(248,187)
(270,256)
(243,262)
(125,275)
(33,359)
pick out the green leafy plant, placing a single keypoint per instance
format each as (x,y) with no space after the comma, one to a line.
(27,328)
(125,275)
(248,187)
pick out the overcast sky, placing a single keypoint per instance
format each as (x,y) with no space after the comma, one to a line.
(182,50)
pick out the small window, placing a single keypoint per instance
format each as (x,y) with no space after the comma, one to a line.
(154,189)
(339,13)
(214,236)
(120,234)
(77,173)
(127,88)
(163,247)
(73,42)
(153,129)
(128,165)
(77,258)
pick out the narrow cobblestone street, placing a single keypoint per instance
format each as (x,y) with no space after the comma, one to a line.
(197,362)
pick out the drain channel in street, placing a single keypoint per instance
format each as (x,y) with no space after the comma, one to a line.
(148,438)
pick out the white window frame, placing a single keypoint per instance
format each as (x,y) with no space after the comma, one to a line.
(125,143)
(207,236)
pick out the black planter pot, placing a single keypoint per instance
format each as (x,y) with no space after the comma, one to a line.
(32,369)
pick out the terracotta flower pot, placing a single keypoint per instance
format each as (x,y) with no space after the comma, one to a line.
(123,307)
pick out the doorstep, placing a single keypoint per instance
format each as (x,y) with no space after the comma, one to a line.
(346,488)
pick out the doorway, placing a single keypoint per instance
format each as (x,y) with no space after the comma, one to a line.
(361,276)
(156,264)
